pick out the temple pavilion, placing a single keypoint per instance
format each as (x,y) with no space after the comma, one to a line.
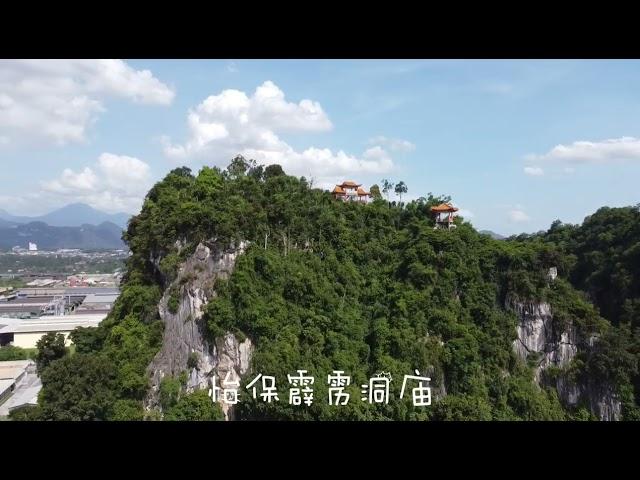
(444,215)
(350,191)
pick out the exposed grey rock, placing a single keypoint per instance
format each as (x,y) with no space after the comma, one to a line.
(552,345)
(537,334)
(437,383)
(534,330)
(184,332)
(604,403)
(231,360)
(569,391)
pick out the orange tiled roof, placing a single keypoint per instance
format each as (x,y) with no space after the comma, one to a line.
(349,184)
(362,192)
(444,207)
(338,189)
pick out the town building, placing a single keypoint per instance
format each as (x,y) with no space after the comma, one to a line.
(350,191)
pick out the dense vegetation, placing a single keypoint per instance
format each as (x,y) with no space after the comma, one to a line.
(605,260)
(329,285)
(9,352)
(602,258)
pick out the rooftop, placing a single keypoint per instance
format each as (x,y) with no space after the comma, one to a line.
(71,290)
(444,207)
(12,369)
(100,298)
(25,384)
(350,184)
(52,323)
(5,385)
(27,395)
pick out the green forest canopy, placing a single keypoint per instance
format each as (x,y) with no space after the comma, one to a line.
(330,285)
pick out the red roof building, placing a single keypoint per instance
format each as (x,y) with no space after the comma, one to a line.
(444,215)
(350,191)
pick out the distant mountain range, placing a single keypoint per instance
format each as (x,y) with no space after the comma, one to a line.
(107,235)
(72,215)
(74,226)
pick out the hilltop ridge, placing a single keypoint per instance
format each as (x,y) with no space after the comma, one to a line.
(249,269)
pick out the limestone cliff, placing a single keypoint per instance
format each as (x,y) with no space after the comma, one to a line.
(184,331)
(546,343)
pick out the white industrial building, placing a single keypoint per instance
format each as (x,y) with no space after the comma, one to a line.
(19,385)
(26,333)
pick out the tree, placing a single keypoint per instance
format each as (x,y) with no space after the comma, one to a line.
(193,361)
(27,413)
(88,339)
(127,410)
(273,171)
(256,172)
(196,406)
(170,389)
(208,182)
(78,387)
(239,166)
(181,172)
(375,191)
(401,188)
(387,186)
(50,347)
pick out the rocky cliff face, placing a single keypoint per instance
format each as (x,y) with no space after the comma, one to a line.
(538,336)
(184,333)
(542,340)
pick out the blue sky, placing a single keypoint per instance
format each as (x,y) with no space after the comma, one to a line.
(516,144)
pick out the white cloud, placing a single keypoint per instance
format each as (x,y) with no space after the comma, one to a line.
(122,173)
(56,100)
(380,157)
(115,183)
(518,216)
(12,203)
(71,182)
(606,151)
(233,123)
(393,144)
(534,171)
